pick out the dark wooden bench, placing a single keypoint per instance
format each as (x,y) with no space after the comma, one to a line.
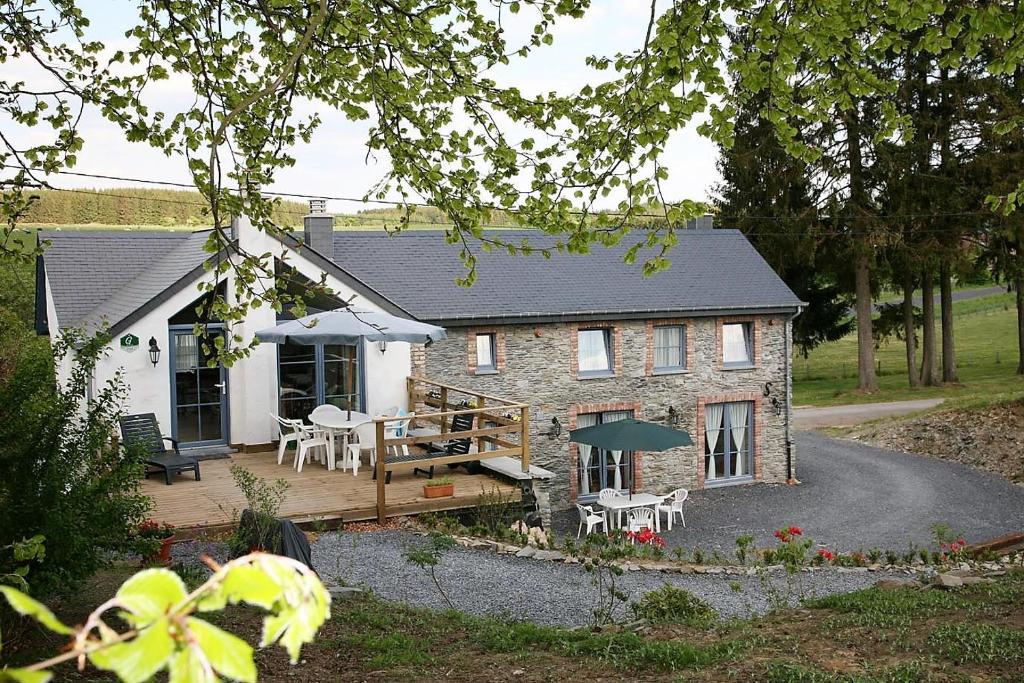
(144,431)
(460,423)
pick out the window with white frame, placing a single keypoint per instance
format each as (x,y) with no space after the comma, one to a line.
(728,441)
(594,352)
(669,348)
(486,353)
(737,345)
(598,468)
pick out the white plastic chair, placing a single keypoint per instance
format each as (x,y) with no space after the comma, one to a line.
(672,504)
(639,519)
(325,409)
(365,436)
(605,494)
(590,518)
(289,433)
(310,439)
(398,429)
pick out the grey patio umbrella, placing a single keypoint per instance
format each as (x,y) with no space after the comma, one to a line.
(349,326)
(631,435)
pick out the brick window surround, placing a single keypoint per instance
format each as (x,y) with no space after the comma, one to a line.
(574,347)
(577,409)
(755,330)
(649,364)
(701,438)
(499,348)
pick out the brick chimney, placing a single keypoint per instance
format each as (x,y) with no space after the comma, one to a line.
(318,228)
(705,222)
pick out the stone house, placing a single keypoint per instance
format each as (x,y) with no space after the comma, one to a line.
(704,346)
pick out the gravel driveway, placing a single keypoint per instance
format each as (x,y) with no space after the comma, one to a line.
(851,496)
(484,583)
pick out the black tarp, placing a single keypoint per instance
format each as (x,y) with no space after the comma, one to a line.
(284,538)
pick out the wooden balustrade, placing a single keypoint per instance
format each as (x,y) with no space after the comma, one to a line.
(431,404)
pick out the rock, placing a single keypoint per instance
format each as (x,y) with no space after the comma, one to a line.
(890,584)
(998,572)
(853,570)
(948,581)
(526,551)
(507,549)
(572,560)
(550,555)
(344,592)
(975,580)
(874,567)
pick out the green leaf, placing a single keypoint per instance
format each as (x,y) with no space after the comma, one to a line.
(138,659)
(24,676)
(188,667)
(22,604)
(228,654)
(243,584)
(150,594)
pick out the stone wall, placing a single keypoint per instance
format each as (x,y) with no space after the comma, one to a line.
(540,370)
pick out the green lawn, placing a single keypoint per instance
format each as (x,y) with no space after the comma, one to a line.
(986,342)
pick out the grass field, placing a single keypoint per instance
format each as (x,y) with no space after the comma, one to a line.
(986,342)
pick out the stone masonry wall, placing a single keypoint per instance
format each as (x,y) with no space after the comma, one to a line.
(540,370)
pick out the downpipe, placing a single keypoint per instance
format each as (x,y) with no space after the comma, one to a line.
(790,478)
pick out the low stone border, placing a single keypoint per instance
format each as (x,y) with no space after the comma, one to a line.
(970,570)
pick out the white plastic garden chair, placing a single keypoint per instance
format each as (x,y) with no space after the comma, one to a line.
(606,494)
(672,504)
(362,439)
(399,429)
(590,518)
(640,519)
(310,439)
(289,433)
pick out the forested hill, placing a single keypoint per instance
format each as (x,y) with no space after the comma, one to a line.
(135,206)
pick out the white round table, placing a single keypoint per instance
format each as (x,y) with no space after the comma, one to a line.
(341,422)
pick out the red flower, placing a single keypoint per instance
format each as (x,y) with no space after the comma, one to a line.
(826,555)
(795,531)
(782,535)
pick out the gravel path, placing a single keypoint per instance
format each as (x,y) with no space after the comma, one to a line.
(852,496)
(487,584)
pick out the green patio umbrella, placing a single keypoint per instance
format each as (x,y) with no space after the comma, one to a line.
(631,435)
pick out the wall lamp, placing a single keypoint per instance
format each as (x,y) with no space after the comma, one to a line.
(673,416)
(556,428)
(382,345)
(154,351)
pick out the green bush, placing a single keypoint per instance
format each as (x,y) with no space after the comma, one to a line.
(671,605)
(61,476)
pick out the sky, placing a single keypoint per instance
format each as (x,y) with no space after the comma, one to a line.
(335,162)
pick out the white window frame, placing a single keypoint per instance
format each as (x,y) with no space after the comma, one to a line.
(492,341)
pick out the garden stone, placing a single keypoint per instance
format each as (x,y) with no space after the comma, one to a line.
(853,570)
(948,581)
(548,555)
(527,551)
(896,584)
(344,592)
(975,580)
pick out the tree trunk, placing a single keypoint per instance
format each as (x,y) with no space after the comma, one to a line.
(909,328)
(949,371)
(867,381)
(928,375)
(1018,283)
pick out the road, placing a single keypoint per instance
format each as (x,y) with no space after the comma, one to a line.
(853,414)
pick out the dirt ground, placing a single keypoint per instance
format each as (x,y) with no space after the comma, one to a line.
(990,438)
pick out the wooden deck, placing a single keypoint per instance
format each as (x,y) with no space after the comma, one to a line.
(314,494)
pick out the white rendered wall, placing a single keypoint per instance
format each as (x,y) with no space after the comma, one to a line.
(252,382)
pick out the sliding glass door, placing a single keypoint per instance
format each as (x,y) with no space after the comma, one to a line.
(309,376)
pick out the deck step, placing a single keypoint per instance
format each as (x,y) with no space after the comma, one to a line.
(201,453)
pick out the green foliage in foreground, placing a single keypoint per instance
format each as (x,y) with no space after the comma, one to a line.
(979,643)
(785,672)
(671,605)
(162,631)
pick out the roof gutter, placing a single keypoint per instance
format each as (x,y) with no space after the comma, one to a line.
(576,316)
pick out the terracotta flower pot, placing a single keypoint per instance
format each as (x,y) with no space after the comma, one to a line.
(165,549)
(439,491)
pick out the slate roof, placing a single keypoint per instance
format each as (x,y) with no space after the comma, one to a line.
(109,275)
(117,276)
(712,271)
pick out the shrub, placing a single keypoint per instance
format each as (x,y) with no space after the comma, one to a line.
(61,476)
(671,605)
(264,501)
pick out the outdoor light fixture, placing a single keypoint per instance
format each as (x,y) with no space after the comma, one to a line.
(429,341)
(382,345)
(556,428)
(673,416)
(154,351)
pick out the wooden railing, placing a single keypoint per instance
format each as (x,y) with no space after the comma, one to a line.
(500,428)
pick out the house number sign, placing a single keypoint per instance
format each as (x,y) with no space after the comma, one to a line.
(129,341)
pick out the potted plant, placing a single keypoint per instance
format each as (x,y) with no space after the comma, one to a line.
(439,488)
(155,542)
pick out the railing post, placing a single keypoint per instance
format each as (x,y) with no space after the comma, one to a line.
(444,408)
(381,454)
(410,389)
(524,437)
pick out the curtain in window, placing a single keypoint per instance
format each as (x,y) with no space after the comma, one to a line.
(738,420)
(585,450)
(668,345)
(186,352)
(615,416)
(593,350)
(713,413)
(734,343)
(484,357)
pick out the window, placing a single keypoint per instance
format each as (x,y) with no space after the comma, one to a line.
(309,376)
(594,352)
(669,348)
(728,441)
(486,353)
(599,468)
(737,347)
